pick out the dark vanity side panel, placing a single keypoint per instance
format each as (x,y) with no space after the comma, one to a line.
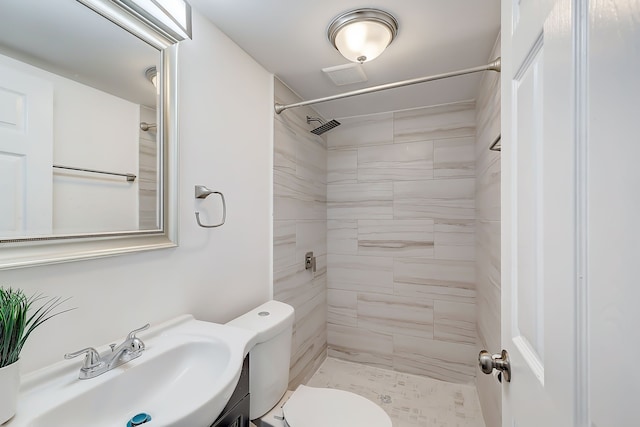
(236,413)
(238,416)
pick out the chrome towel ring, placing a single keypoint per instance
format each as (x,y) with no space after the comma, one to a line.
(202,192)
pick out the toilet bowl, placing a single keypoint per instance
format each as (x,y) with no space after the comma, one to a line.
(322,407)
(269,357)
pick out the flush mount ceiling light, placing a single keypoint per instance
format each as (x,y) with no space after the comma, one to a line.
(362,34)
(151,74)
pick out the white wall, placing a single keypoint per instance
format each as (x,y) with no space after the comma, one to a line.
(94,130)
(609,155)
(226,133)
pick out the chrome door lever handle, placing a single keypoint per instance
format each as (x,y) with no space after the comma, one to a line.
(500,362)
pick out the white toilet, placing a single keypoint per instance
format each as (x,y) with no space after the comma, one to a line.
(269,357)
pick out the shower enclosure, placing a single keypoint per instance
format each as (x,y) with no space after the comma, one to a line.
(399,210)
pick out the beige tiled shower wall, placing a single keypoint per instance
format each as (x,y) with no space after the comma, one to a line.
(148,173)
(401,241)
(300,226)
(488,238)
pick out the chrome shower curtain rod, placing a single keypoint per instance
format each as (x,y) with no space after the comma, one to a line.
(492,66)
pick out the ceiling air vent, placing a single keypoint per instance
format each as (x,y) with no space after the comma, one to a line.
(346,74)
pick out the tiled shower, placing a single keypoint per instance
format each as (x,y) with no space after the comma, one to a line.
(400,264)
(400,210)
(299,226)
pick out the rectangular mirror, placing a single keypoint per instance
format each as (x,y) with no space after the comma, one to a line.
(87,134)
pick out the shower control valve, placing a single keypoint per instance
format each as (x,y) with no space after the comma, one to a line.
(310,262)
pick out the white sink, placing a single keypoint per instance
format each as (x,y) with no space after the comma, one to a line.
(185,377)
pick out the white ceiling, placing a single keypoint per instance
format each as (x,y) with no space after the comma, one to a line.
(288,37)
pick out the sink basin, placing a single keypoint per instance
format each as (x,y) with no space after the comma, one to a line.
(185,377)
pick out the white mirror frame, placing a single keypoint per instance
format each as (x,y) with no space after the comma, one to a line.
(41,251)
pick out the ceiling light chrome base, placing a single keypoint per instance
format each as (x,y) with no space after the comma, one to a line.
(361,15)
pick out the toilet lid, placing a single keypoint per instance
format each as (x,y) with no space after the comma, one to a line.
(323,407)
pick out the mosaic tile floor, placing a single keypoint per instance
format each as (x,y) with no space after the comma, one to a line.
(410,400)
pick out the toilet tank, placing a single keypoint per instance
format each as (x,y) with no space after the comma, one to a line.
(270,355)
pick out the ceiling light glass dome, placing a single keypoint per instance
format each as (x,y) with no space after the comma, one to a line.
(363,34)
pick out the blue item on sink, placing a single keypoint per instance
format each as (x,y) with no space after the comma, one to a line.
(139,419)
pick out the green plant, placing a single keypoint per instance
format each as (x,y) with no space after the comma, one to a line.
(17,323)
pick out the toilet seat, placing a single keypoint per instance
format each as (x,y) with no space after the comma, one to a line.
(324,407)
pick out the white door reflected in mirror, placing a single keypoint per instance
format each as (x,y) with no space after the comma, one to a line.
(26,144)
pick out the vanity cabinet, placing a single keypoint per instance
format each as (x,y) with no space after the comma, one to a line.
(236,413)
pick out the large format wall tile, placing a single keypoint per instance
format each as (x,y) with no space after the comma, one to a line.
(454,158)
(342,237)
(309,343)
(284,157)
(455,322)
(299,226)
(393,237)
(401,241)
(360,273)
(438,199)
(455,240)
(311,236)
(342,166)
(488,238)
(361,131)
(453,274)
(284,244)
(396,315)
(397,162)
(488,314)
(309,354)
(342,307)
(442,360)
(360,345)
(147,173)
(295,286)
(436,279)
(488,190)
(439,292)
(488,284)
(429,123)
(296,198)
(360,201)
(311,161)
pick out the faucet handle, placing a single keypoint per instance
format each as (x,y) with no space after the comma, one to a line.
(91,360)
(133,333)
(134,344)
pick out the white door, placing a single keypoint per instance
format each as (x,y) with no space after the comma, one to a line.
(539,215)
(571,203)
(26,152)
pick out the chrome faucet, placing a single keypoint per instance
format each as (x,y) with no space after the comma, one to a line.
(95,364)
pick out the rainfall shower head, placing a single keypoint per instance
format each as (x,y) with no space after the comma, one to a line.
(324,126)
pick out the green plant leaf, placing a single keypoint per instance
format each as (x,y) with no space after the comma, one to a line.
(16,322)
